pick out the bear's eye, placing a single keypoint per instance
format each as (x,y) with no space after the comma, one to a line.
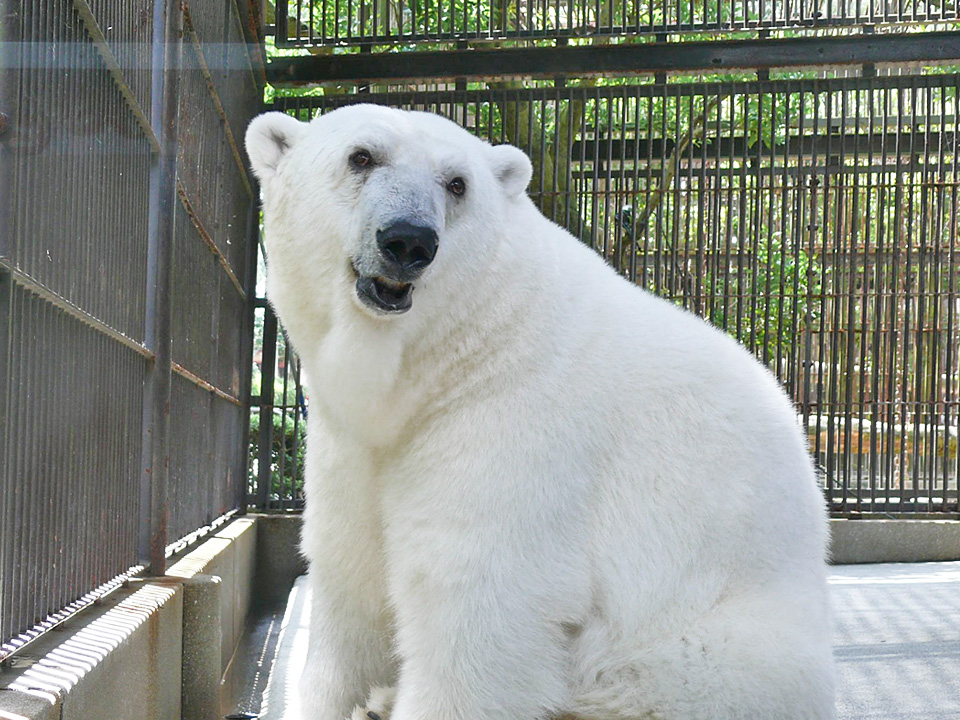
(361,159)
(457,186)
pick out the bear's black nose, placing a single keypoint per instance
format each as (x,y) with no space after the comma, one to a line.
(411,247)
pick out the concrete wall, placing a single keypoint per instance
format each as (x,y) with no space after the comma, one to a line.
(875,541)
(119,659)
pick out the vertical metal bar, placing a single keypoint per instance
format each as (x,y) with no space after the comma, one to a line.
(631,228)
(703,205)
(267,374)
(8,524)
(298,417)
(817,248)
(880,449)
(868,283)
(246,351)
(284,405)
(907,403)
(952,362)
(159,377)
(787,242)
(768,176)
(856,331)
(10,63)
(835,450)
(895,459)
(924,382)
(935,371)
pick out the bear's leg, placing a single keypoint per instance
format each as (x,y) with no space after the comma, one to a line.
(378,705)
(349,647)
(761,655)
(474,640)
(348,652)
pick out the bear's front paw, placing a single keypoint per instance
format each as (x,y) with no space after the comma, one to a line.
(378,705)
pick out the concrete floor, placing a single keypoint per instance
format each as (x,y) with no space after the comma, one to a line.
(898,641)
(897,647)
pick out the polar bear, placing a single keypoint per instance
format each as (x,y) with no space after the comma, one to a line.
(533,489)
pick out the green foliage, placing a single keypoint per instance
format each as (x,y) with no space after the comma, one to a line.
(766,305)
(288,448)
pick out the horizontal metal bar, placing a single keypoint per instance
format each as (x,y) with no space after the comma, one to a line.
(110,60)
(844,26)
(201,383)
(629,150)
(725,88)
(639,59)
(32,286)
(208,241)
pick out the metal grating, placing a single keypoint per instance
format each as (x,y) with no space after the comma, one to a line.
(81,170)
(360,22)
(101,350)
(813,220)
(70,463)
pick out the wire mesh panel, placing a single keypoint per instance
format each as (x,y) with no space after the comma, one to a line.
(82,207)
(326,22)
(816,221)
(208,295)
(70,460)
(81,168)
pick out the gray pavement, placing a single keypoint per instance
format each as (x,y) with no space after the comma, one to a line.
(897,641)
(897,645)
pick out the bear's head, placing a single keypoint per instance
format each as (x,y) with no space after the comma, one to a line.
(379,202)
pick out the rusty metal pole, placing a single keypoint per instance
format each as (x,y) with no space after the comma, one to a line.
(168,32)
(246,355)
(9,84)
(267,377)
(9,91)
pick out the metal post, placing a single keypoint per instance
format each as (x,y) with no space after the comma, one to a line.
(267,375)
(9,87)
(8,524)
(246,354)
(168,24)
(10,50)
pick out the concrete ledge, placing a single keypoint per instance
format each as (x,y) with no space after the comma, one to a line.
(230,555)
(279,562)
(200,683)
(118,660)
(24,704)
(155,650)
(894,541)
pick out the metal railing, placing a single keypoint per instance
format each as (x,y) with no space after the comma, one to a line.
(127,220)
(279,410)
(365,22)
(815,220)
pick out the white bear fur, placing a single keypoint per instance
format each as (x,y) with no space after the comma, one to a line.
(541,491)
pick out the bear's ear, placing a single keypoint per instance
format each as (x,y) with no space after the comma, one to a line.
(511,167)
(269,136)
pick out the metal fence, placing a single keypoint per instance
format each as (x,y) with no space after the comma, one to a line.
(814,219)
(356,22)
(127,221)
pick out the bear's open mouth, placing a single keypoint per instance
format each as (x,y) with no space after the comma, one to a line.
(384,294)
